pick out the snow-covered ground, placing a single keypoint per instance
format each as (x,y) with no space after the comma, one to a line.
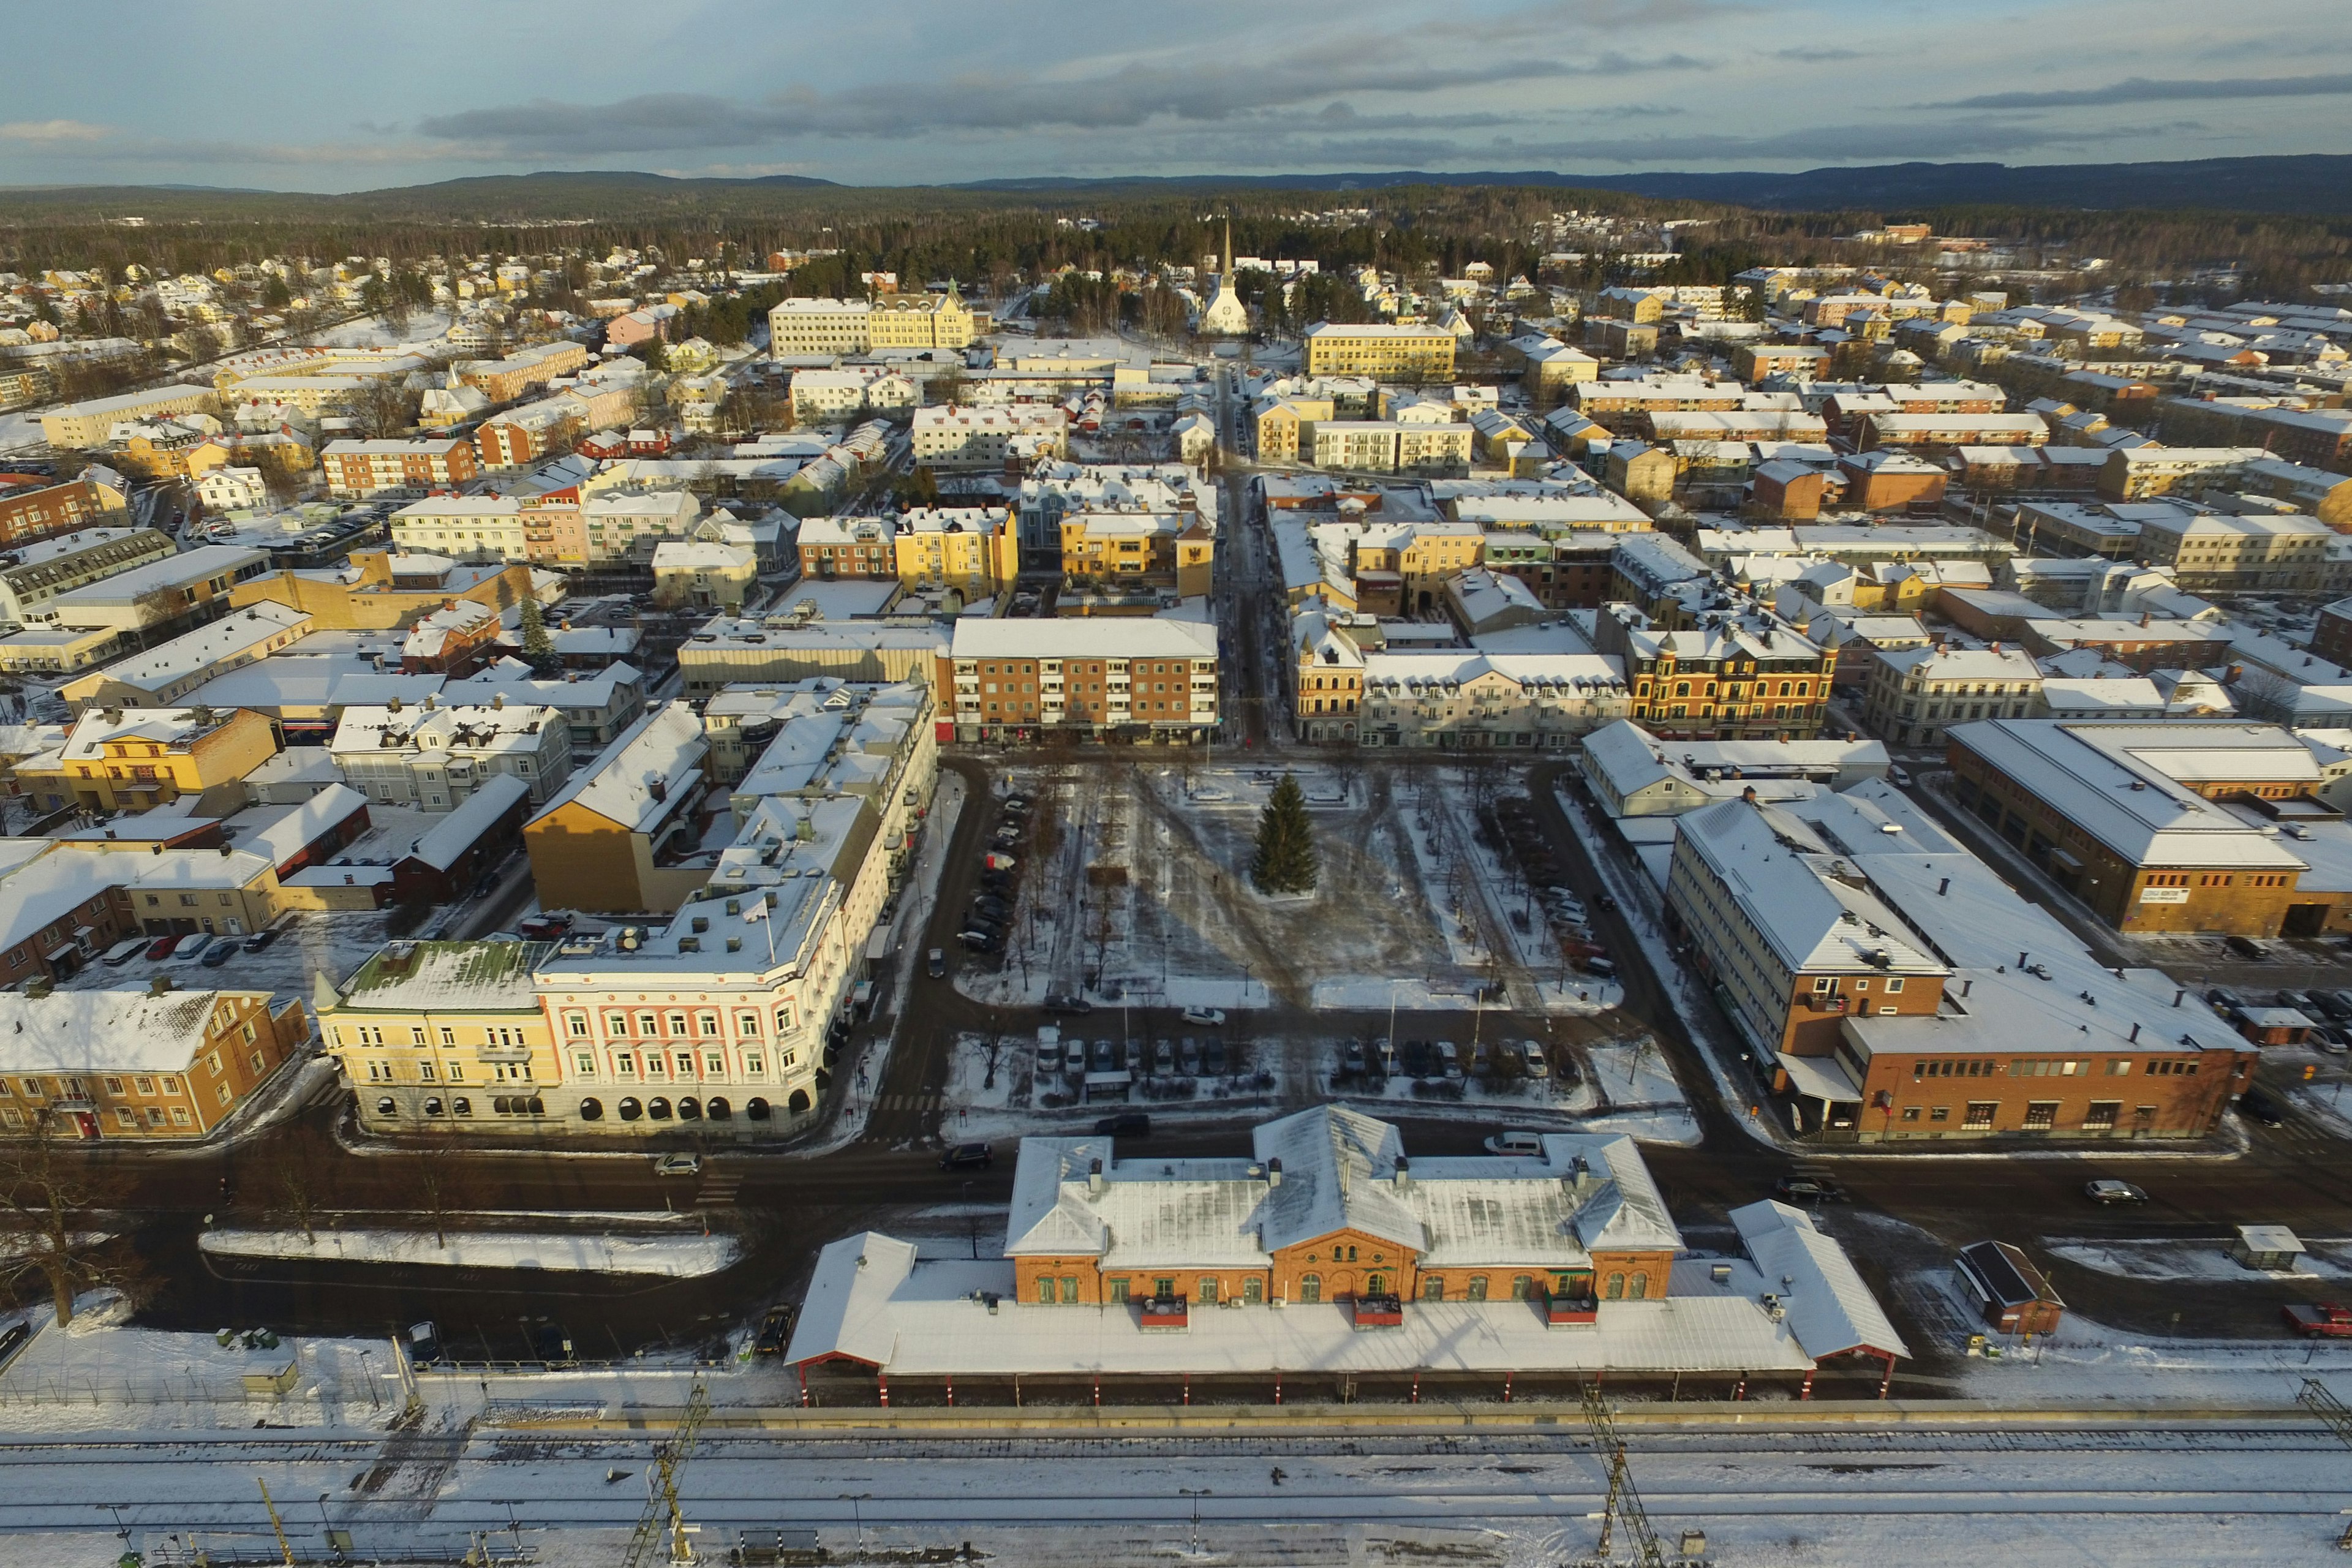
(2202,1259)
(1137,878)
(309,943)
(677,1256)
(424,327)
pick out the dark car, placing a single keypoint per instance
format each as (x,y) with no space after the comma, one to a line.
(938,963)
(1808,1190)
(220,952)
(980,940)
(425,1344)
(967,1157)
(550,1345)
(2258,1104)
(1076,1006)
(1125,1124)
(261,939)
(12,1340)
(775,1331)
(2244,947)
(991,906)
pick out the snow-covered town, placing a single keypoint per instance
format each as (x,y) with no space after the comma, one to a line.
(983,815)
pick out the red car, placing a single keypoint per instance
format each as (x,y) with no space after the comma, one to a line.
(2325,1320)
(162,945)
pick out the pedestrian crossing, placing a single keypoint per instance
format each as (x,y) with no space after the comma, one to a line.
(911,1102)
(719,1187)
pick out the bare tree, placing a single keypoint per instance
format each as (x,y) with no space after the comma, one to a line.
(297,1185)
(54,1207)
(444,1186)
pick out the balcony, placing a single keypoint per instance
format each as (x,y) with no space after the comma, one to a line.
(1571,1311)
(1823,1002)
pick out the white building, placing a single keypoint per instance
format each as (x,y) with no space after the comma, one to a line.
(961,438)
(231,490)
(432,758)
(1461,698)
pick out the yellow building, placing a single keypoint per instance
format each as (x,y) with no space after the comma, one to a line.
(1421,556)
(1391,353)
(1137,549)
(437,1034)
(130,759)
(1279,422)
(370,594)
(920,321)
(973,551)
(147,1063)
(80,426)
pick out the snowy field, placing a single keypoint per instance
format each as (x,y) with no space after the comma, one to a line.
(1136,885)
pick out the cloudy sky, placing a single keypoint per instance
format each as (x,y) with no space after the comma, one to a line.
(339,97)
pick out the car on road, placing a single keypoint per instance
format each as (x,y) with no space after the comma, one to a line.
(1606,901)
(425,1347)
(682,1163)
(1809,1190)
(2106,1191)
(190,945)
(1212,1017)
(1899,776)
(937,963)
(1596,964)
(1125,1124)
(967,1157)
(123,951)
(14,1341)
(2257,1104)
(1076,1006)
(2319,1320)
(262,939)
(162,947)
(222,950)
(550,1346)
(1517,1145)
(775,1330)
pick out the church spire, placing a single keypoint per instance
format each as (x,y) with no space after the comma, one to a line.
(1229,246)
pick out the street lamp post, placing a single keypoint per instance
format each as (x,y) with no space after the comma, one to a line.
(1196,1494)
(859,1515)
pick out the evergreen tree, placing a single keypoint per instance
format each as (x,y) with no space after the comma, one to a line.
(1286,860)
(538,647)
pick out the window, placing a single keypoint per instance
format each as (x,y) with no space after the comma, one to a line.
(1044,1291)
(1910,1114)
(1980,1113)
(144,1085)
(1894,983)
(220,1092)
(1069,1290)
(617,1023)
(114,1085)
(747,1023)
(1253,1291)
(1432,1287)
(2041,1115)
(1119,1292)
(1616,1287)
(1639,1288)
(754,1063)
(1311,1287)
(2102,1115)
(179,1116)
(171,1086)
(1207,1292)
(448,1035)
(425,1071)
(625,1063)
(1522,1287)
(1477,1288)
(255,1061)
(125,1117)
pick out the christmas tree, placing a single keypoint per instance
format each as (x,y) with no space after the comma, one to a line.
(1284,862)
(538,647)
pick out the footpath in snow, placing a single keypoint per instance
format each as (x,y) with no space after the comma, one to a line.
(674,1256)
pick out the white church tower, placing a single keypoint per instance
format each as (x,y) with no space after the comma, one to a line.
(1224,316)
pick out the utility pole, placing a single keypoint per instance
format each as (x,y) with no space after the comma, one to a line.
(1623,1501)
(2314,1396)
(663,1515)
(285,1548)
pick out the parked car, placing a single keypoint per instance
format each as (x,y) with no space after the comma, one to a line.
(425,1347)
(123,951)
(683,1163)
(2300,1001)
(2244,947)
(1448,1060)
(1528,1145)
(1077,1005)
(1164,1056)
(1188,1056)
(1809,1190)
(222,950)
(775,1330)
(994,862)
(980,940)
(967,1157)
(1596,964)
(2105,1191)
(2321,1320)
(550,1345)
(1134,1056)
(1532,1057)
(545,927)
(2223,1000)
(2328,1038)
(262,939)
(1049,1056)
(1213,1056)
(190,945)
(2336,1004)
(1212,1017)
(2257,1104)
(1351,1056)
(1125,1124)
(937,963)
(162,947)
(1007,836)
(12,1340)
(1017,802)
(1899,776)
(1102,1056)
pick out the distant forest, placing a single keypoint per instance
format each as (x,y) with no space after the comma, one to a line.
(993,239)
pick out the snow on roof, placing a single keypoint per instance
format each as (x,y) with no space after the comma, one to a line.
(284,832)
(1798,891)
(171,572)
(645,773)
(1106,637)
(1828,1308)
(472,727)
(447,976)
(454,831)
(136,1031)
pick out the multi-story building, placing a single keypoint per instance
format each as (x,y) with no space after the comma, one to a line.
(164,596)
(1914,694)
(1941,433)
(920,321)
(399,465)
(622,835)
(168,674)
(34,574)
(1276,422)
(34,507)
(704,574)
(1327,671)
(1123,678)
(2256,553)
(1902,991)
(432,758)
(1390,353)
(1388,447)
(954,436)
(153,1064)
(1465,700)
(2136,473)
(463,527)
(376,590)
(822,396)
(973,551)
(629,524)
(785,649)
(435,1036)
(852,547)
(80,426)
(1737,673)
(1130,549)
(2132,819)
(797,328)
(119,759)
(504,380)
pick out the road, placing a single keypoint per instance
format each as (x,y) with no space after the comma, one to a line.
(2228,1492)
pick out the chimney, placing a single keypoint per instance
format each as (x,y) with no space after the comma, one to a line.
(1094,1179)
(2135,1034)
(157,986)
(1404,1173)
(1274,1172)
(1944,888)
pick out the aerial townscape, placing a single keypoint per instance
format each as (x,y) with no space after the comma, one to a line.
(967,810)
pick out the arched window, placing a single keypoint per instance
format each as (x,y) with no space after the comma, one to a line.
(387,1106)
(1477,1288)
(719,1110)
(689,1110)
(592,1109)
(657,1108)
(1522,1287)
(1641,1288)
(631,1110)
(1432,1287)
(757,1108)
(432,1106)
(1044,1291)
(1375,1285)
(1311,1287)
(1616,1287)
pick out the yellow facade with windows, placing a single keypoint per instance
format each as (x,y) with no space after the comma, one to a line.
(438,1035)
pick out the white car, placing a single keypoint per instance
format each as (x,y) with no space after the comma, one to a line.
(678,1165)
(1526,1145)
(1899,776)
(1212,1016)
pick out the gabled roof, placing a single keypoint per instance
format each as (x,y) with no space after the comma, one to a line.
(1829,1309)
